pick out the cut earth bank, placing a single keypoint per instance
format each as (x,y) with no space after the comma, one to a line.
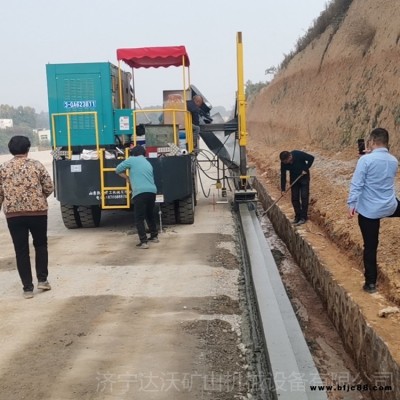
(331,259)
(333,92)
(343,84)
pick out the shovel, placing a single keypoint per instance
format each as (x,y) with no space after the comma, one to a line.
(300,176)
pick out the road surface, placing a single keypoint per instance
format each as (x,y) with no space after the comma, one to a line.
(124,323)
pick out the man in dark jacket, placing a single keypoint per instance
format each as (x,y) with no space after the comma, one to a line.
(298,163)
(194,107)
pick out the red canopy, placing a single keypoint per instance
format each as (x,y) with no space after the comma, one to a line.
(147,57)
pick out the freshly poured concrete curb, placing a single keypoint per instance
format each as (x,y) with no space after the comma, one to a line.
(366,347)
(288,353)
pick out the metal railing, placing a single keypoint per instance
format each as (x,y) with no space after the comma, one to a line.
(104,188)
(100,154)
(68,117)
(187,118)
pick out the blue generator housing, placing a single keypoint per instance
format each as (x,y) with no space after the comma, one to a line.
(84,104)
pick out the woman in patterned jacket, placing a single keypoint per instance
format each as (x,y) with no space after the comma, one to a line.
(24,187)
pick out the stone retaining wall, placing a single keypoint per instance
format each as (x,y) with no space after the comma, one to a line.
(369,351)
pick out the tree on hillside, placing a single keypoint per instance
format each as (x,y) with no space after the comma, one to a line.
(26,116)
(333,15)
(7,134)
(21,116)
(42,120)
(24,121)
(252,89)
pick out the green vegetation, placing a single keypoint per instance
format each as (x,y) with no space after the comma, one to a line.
(252,89)
(21,116)
(7,134)
(25,120)
(332,16)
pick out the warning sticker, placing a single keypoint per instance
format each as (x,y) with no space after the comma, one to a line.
(124,123)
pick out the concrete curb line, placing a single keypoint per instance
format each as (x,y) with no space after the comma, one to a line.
(367,348)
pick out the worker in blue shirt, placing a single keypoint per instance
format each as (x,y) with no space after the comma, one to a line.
(298,163)
(144,191)
(372,196)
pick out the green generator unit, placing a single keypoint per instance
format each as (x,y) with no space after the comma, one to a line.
(84,104)
(92,125)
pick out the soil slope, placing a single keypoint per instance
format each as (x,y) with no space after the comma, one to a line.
(345,83)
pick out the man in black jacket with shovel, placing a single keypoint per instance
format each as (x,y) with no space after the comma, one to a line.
(298,164)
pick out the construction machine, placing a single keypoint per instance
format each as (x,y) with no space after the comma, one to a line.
(95,120)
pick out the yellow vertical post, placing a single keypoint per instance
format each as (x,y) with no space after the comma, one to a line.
(184,98)
(176,140)
(188,124)
(102,184)
(96,127)
(241,107)
(184,79)
(120,92)
(53,130)
(134,113)
(241,97)
(69,136)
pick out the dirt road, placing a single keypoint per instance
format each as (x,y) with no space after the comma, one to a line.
(164,323)
(123,323)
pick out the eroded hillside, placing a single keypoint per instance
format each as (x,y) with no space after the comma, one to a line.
(346,82)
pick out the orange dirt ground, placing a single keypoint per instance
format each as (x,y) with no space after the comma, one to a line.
(332,93)
(330,180)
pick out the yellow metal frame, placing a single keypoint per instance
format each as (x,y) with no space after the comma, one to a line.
(241,110)
(184,79)
(68,116)
(241,97)
(104,188)
(100,153)
(188,125)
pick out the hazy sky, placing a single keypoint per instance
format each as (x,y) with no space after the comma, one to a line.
(34,33)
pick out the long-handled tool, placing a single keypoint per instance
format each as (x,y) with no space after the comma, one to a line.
(283,194)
